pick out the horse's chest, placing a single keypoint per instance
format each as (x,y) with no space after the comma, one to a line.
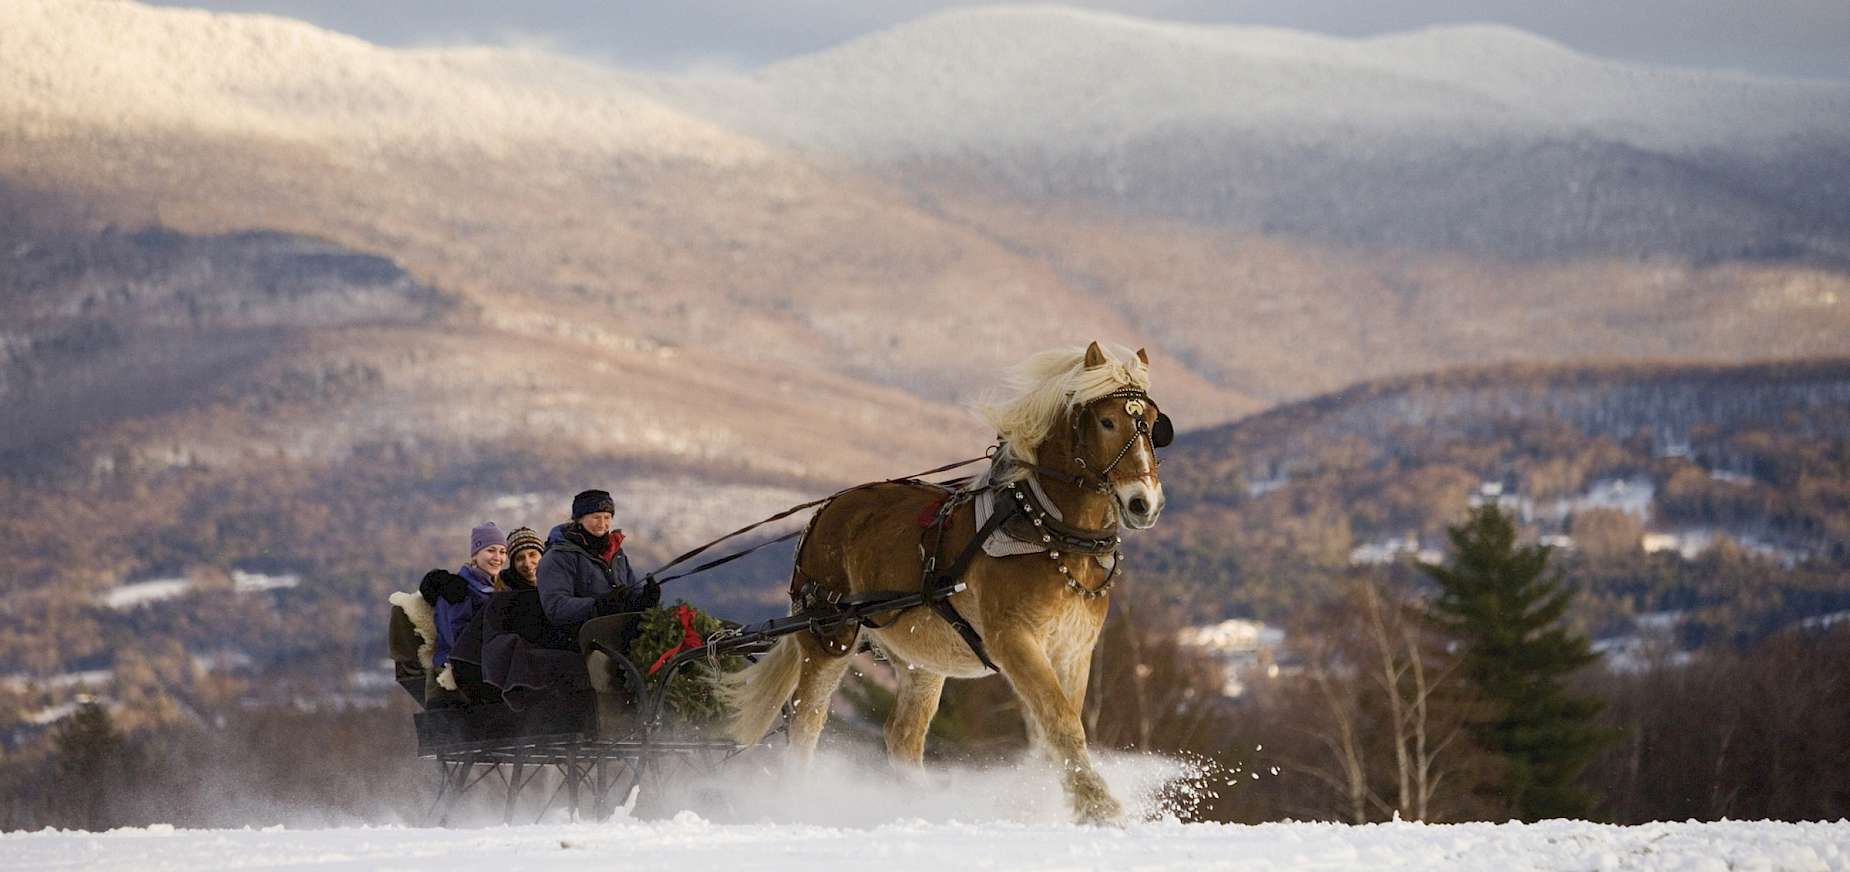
(1068,621)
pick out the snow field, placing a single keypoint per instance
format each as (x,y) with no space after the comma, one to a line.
(690,842)
(844,815)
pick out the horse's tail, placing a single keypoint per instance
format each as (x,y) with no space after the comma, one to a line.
(758,692)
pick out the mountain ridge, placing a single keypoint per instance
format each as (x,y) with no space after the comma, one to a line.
(1418,138)
(191,70)
(1475,59)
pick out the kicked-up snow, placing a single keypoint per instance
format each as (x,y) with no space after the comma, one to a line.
(690,842)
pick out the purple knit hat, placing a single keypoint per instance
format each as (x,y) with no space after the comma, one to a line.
(485,535)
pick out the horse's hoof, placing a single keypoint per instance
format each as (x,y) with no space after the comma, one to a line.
(912,775)
(1099,811)
(1111,817)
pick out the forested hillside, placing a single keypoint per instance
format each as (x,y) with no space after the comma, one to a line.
(1724,491)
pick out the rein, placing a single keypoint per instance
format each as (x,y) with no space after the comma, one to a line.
(652,576)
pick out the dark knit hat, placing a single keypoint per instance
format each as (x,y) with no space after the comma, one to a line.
(524,537)
(485,535)
(591,502)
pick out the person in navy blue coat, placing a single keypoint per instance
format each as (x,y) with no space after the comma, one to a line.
(584,573)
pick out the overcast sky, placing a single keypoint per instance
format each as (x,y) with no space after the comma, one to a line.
(1781,37)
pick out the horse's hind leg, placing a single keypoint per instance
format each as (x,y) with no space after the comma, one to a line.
(913,707)
(821,674)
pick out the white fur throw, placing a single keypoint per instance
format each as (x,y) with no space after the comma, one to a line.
(423,619)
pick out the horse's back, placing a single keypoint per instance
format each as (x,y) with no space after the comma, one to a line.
(868,538)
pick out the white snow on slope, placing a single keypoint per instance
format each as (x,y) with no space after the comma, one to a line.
(141,593)
(1078,82)
(996,78)
(688,842)
(121,65)
(257,582)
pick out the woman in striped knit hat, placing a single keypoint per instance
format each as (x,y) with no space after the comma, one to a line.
(524,547)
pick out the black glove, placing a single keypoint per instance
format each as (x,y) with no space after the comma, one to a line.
(630,600)
(443,583)
(650,595)
(613,603)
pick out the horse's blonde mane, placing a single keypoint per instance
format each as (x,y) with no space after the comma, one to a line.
(1043,390)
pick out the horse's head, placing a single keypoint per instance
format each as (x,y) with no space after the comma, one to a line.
(1087,420)
(1114,439)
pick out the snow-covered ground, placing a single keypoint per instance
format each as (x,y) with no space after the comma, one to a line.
(844,815)
(689,842)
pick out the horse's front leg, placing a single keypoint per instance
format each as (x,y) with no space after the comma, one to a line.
(1056,718)
(1073,673)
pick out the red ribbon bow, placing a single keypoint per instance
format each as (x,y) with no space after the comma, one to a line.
(690,638)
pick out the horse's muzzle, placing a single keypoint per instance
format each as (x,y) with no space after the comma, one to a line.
(1139,506)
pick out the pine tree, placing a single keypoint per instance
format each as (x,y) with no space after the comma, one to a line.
(88,756)
(1500,603)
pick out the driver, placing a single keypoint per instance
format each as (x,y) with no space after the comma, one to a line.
(584,573)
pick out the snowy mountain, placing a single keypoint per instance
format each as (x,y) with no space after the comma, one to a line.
(122,65)
(1077,82)
(1477,138)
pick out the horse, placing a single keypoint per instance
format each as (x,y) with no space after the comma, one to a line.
(1077,456)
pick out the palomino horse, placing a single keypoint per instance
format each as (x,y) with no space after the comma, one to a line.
(1079,453)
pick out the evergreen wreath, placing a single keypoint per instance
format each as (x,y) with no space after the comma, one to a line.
(661,631)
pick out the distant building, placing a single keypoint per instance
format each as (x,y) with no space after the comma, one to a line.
(1385,551)
(1651,642)
(1242,647)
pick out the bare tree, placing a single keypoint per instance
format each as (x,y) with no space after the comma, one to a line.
(1409,679)
(1389,722)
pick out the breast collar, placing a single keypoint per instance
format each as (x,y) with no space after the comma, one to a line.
(1038,526)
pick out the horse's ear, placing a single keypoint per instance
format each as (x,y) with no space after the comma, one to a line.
(1141,355)
(1095,356)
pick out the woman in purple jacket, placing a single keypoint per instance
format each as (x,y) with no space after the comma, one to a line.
(487,557)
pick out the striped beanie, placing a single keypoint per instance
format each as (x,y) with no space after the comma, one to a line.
(524,537)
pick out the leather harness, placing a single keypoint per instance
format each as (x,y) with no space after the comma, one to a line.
(1020,516)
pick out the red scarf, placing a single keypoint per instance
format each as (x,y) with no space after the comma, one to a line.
(613,542)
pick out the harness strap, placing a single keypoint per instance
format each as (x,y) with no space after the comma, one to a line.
(1057,475)
(937,585)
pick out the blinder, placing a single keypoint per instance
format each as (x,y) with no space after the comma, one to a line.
(1162,432)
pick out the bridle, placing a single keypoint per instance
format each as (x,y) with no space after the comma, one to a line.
(1157,434)
(1136,404)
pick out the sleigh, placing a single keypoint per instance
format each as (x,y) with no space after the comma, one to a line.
(618,745)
